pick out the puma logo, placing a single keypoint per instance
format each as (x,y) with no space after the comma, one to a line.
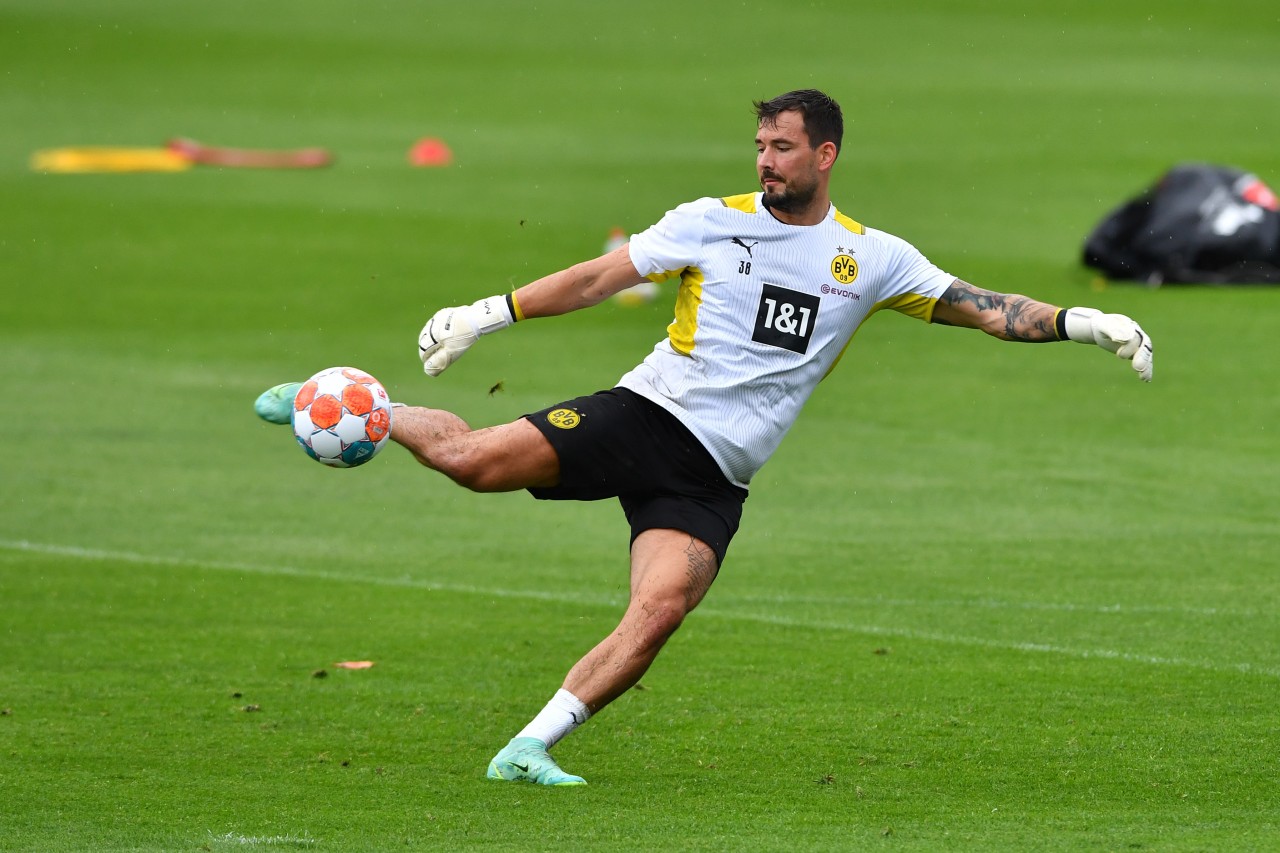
(738,241)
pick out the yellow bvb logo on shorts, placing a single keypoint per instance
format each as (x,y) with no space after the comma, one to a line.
(564,418)
(845,269)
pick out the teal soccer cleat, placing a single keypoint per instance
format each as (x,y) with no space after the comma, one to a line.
(275,405)
(526,759)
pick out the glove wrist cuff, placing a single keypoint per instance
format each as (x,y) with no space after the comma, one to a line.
(490,315)
(1076,324)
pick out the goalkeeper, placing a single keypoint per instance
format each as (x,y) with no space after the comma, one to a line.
(772,286)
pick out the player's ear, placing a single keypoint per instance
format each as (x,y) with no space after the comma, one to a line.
(827,152)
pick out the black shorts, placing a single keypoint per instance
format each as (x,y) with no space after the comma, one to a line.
(618,444)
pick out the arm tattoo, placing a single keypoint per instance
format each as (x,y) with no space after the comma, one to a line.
(1008,316)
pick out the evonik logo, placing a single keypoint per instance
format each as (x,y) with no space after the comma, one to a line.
(828,290)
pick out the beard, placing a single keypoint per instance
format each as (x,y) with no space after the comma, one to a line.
(793,198)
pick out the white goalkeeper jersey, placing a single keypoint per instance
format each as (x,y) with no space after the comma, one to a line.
(764,311)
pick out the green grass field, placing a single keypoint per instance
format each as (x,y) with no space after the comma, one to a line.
(986,596)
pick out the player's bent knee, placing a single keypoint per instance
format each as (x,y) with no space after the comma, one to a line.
(472,473)
(482,471)
(483,479)
(502,459)
(657,618)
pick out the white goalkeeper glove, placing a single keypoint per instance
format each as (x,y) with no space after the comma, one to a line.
(1113,332)
(452,331)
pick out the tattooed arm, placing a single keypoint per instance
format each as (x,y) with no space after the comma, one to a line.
(1011,317)
(1007,316)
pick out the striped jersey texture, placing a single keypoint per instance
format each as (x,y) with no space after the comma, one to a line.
(763,312)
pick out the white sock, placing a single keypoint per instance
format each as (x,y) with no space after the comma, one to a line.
(564,713)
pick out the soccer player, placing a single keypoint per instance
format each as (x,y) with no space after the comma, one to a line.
(772,287)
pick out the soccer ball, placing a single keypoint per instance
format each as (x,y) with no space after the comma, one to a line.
(342,417)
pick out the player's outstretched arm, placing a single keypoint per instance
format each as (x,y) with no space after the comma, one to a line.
(451,331)
(1012,317)
(580,286)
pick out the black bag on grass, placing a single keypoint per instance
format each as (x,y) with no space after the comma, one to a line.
(1199,223)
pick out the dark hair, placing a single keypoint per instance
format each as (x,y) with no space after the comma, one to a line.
(823,121)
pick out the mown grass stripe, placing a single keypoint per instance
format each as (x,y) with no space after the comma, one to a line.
(1243,667)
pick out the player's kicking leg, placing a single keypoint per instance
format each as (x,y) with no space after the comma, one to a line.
(494,459)
(503,458)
